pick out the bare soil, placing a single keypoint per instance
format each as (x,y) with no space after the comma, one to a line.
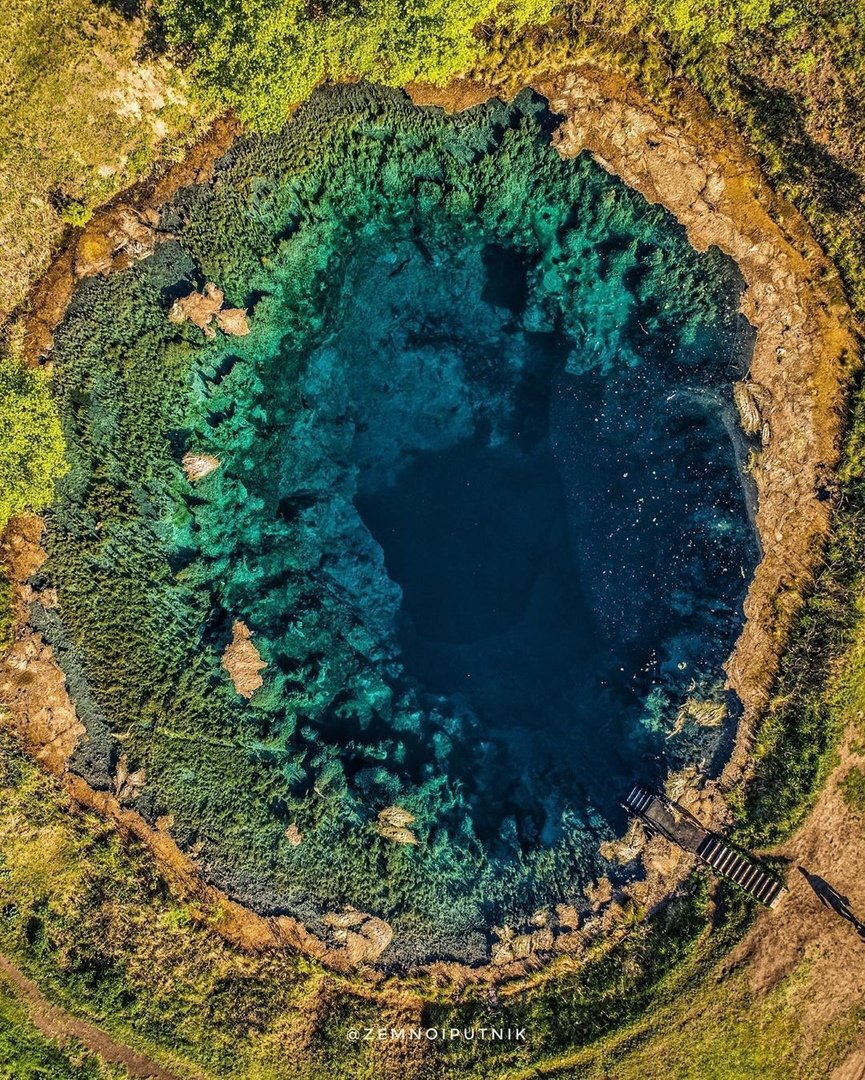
(56,1023)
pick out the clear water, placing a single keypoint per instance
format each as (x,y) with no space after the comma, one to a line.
(479,503)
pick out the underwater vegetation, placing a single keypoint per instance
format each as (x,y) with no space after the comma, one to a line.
(478,500)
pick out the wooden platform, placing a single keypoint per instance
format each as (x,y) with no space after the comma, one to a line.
(666,817)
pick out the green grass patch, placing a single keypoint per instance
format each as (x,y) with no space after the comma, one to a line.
(31,442)
(27,1054)
(853,790)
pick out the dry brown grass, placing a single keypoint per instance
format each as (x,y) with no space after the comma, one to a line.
(81,117)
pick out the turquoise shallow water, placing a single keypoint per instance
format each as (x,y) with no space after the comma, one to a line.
(478,503)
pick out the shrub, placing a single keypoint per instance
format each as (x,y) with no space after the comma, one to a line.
(31,442)
(260,57)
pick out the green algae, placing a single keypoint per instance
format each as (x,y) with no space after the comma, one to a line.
(361,239)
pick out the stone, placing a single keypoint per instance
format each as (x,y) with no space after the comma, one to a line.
(197,466)
(364,936)
(393,824)
(201,308)
(243,661)
(198,308)
(128,783)
(748,397)
(233,321)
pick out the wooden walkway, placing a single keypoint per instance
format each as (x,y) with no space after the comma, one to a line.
(666,817)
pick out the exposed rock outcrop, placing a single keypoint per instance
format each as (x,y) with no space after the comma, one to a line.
(233,321)
(201,308)
(749,401)
(125,234)
(32,686)
(365,937)
(128,783)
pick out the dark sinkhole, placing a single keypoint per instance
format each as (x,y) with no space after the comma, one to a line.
(480,502)
(555,572)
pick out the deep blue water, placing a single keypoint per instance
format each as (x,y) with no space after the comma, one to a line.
(555,573)
(478,503)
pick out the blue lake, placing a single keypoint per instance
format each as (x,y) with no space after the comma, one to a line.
(481,503)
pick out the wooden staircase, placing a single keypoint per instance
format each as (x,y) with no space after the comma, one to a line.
(741,871)
(666,817)
(639,800)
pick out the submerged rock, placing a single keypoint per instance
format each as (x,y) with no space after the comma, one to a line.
(749,402)
(709,714)
(243,661)
(392,825)
(197,466)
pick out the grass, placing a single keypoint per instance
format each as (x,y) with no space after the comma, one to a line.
(82,115)
(26,1054)
(853,789)
(821,684)
(83,912)
(724,1032)
(795,88)
(31,447)
(262,58)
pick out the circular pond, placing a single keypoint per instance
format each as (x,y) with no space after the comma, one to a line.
(472,482)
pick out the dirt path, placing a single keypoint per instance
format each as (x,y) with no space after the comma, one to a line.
(853,1068)
(801,935)
(58,1024)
